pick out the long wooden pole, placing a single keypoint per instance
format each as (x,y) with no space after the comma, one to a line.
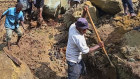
(99,39)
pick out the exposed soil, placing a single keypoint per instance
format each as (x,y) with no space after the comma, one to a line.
(40,48)
(43,48)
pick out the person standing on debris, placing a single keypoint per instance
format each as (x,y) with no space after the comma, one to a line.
(73,3)
(14,16)
(39,5)
(27,6)
(127,4)
(76,47)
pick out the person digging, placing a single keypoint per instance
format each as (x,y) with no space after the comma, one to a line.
(14,16)
(76,47)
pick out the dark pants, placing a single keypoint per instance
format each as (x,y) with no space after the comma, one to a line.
(76,69)
(129,4)
(39,3)
(29,10)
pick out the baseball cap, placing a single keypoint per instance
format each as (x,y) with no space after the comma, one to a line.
(82,23)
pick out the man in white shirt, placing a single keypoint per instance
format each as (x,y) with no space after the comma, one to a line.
(76,47)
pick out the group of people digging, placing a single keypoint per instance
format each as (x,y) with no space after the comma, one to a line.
(76,45)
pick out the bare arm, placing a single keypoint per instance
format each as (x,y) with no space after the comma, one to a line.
(5,13)
(85,11)
(22,24)
(94,48)
(99,45)
(2,17)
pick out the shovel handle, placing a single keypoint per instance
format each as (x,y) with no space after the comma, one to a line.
(98,37)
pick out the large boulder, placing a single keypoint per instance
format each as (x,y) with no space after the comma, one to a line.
(54,7)
(8,70)
(131,45)
(130,67)
(108,6)
(123,52)
(134,0)
(72,15)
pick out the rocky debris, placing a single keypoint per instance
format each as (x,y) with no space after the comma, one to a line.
(129,70)
(131,45)
(55,7)
(111,29)
(73,14)
(108,6)
(98,63)
(8,70)
(44,49)
(93,12)
(127,22)
(33,24)
(136,5)
(122,45)
(34,51)
(126,56)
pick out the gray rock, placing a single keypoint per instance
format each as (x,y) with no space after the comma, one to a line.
(131,59)
(54,7)
(109,6)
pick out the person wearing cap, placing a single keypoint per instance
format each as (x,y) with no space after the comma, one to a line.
(73,3)
(14,16)
(77,46)
(127,4)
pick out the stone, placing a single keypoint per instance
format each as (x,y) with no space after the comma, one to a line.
(131,59)
(54,7)
(132,43)
(73,14)
(108,6)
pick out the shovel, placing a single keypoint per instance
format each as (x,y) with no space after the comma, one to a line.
(99,39)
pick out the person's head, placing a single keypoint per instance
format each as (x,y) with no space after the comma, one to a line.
(19,7)
(82,25)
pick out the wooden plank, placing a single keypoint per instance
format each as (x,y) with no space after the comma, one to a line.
(13,58)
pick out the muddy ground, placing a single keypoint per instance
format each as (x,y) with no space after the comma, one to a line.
(42,49)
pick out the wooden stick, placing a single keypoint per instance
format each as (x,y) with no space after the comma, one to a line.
(13,58)
(99,39)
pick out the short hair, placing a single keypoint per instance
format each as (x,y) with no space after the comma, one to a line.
(19,5)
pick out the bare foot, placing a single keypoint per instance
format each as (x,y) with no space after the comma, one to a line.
(16,44)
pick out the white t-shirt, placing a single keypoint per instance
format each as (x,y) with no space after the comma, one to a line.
(76,45)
